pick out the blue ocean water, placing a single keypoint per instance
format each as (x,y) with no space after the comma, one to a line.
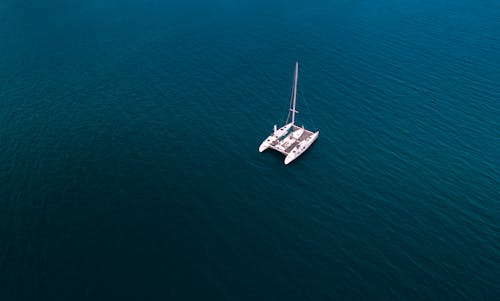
(128,150)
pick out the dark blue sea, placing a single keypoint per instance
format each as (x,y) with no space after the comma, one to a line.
(129,163)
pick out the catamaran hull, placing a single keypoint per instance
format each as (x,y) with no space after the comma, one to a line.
(301,148)
(274,136)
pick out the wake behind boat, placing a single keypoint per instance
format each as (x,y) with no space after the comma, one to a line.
(290,140)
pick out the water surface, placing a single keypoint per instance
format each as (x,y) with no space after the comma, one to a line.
(128,150)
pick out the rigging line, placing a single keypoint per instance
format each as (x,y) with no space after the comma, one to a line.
(290,104)
(310,113)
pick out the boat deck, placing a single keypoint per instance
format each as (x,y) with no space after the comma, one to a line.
(286,145)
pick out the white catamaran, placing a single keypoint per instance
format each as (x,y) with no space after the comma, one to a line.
(290,140)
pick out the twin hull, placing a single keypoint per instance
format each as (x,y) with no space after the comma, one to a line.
(284,145)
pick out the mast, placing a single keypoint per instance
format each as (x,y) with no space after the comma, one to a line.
(294,92)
